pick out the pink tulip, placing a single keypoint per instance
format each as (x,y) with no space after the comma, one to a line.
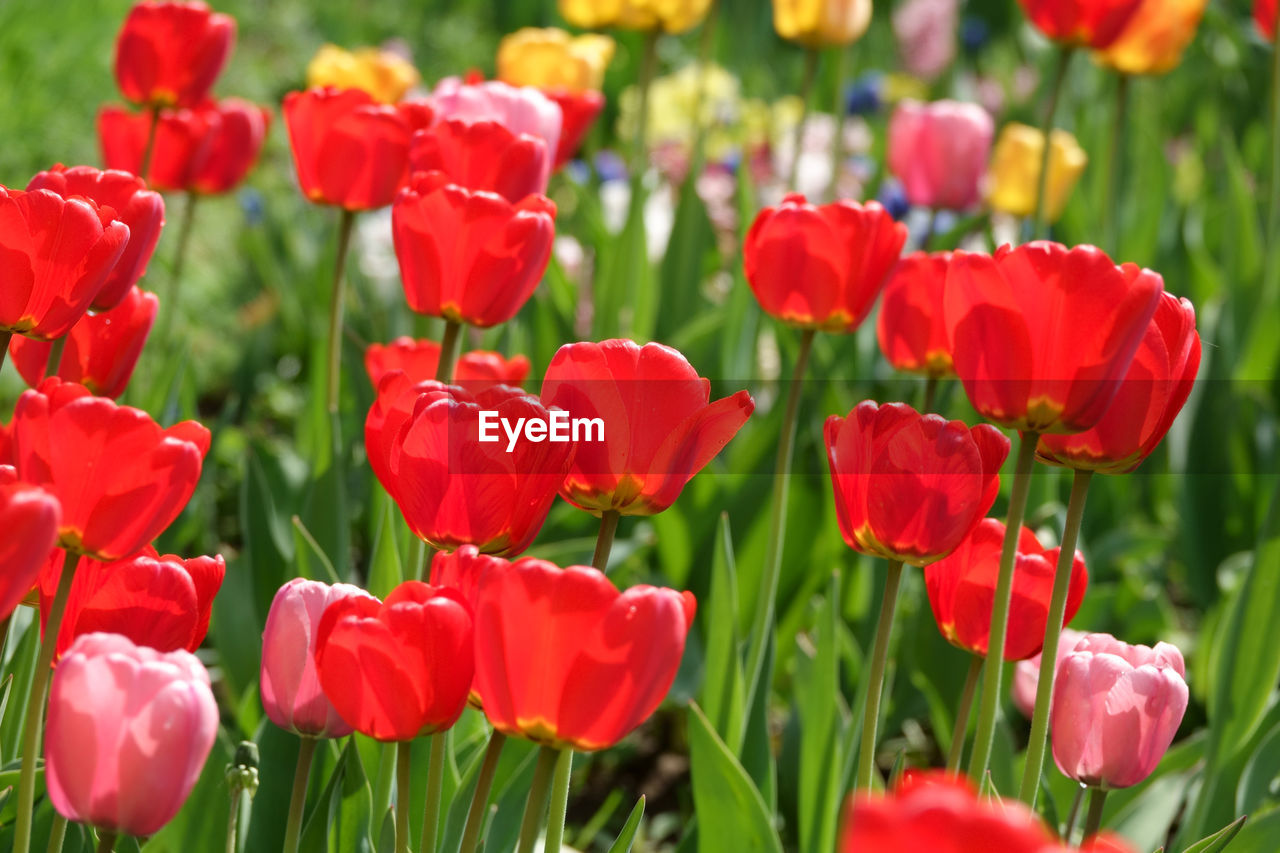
(129,730)
(1026,675)
(290,688)
(1116,709)
(939,151)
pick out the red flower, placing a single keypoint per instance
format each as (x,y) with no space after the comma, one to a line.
(1042,335)
(657,424)
(418,359)
(962,586)
(483,155)
(6,452)
(910,328)
(908,486)
(461,571)
(33,513)
(1264,15)
(1088,23)
(350,150)
(169,54)
(470,256)
(424,444)
(1150,397)
(134,205)
(821,267)
(120,478)
(101,350)
(55,256)
(580,110)
(397,669)
(236,131)
(565,659)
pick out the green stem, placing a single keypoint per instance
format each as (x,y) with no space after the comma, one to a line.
(57,833)
(239,814)
(480,798)
(930,394)
(1115,166)
(763,620)
(875,683)
(1272,282)
(336,303)
(106,842)
(298,800)
(537,802)
(35,706)
(144,167)
(169,303)
(806,92)
(385,782)
(559,800)
(448,351)
(1055,91)
(1073,814)
(435,783)
(5,337)
(1093,822)
(1052,635)
(55,356)
(604,539)
(404,753)
(648,70)
(986,734)
(962,714)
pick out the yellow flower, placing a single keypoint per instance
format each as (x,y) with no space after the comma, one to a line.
(1155,38)
(554,59)
(821,23)
(672,16)
(1015,170)
(383,74)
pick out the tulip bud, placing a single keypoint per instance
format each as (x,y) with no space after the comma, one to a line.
(939,151)
(672,16)
(1026,675)
(1015,170)
(34,514)
(554,59)
(170,53)
(384,74)
(819,24)
(1089,23)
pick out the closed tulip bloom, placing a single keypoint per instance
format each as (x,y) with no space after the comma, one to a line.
(101,350)
(553,59)
(821,23)
(939,152)
(237,131)
(910,487)
(1042,335)
(1026,675)
(397,669)
(962,586)
(1155,38)
(821,267)
(1015,170)
(474,371)
(169,54)
(134,205)
(1083,23)
(483,155)
(384,74)
(1116,708)
(348,149)
(910,327)
(34,513)
(672,16)
(1149,398)
(424,445)
(55,256)
(128,733)
(120,477)
(290,683)
(8,474)
(470,256)
(659,425)
(566,660)
(1264,15)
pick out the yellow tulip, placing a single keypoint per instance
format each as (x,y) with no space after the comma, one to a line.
(1155,37)
(672,16)
(1015,170)
(821,23)
(554,59)
(383,74)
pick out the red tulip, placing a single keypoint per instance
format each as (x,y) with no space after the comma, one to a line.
(170,54)
(911,487)
(33,514)
(134,205)
(910,328)
(580,110)
(469,256)
(475,370)
(1265,15)
(1150,397)
(1087,23)
(424,444)
(1042,335)
(101,350)
(821,267)
(657,424)
(55,255)
(565,659)
(401,668)
(350,150)
(120,477)
(962,586)
(6,452)
(483,155)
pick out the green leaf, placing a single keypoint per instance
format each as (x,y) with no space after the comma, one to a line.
(823,720)
(731,813)
(1220,839)
(385,570)
(1260,782)
(1259,834)
(722,689)
(628,834)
